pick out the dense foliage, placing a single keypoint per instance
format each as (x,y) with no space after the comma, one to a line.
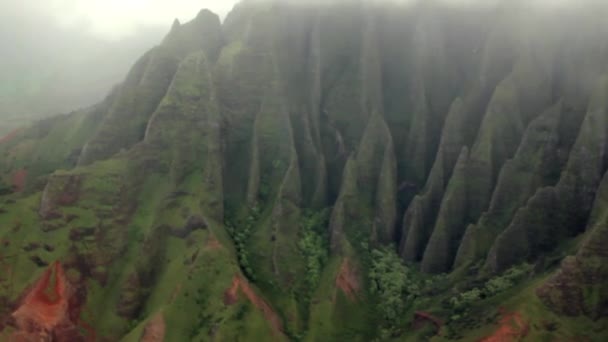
(396,287)
(448,146)
(490,288)
(314,245)
(240,231)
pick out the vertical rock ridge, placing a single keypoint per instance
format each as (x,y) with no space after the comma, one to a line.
(558,212)
(533,167)
(423,208)
(579,286)
(343,211)
(449,228)
(386,197)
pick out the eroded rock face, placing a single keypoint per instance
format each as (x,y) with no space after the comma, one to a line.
(59,191)
(580,286)
(283,110)
(348,280)
(154,330)
(241,285)
(49,311)
(193,223)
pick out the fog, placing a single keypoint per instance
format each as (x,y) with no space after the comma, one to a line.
(113,19)
(59,55)
(117,19)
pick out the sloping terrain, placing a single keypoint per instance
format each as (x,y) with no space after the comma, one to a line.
(336,172)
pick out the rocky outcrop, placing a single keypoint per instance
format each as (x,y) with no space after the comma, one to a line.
(154,330)
(49,311)
(441,248)
(520,177)
(61,190)
(473,139)
(579,286)
(240,285)
(125,122)
(562,211)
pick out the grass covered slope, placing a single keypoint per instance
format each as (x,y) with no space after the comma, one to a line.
(338,171)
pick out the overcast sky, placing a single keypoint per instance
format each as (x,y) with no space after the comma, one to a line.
(113,19)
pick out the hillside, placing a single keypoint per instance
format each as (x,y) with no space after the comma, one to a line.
(345,171)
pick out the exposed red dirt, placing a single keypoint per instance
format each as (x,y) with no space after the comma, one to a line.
(19,178)
(9,136)
(512,328)
(213,243)
(46,305)
(348,280)
(155,330)
(49,310)
(421,317)
(231,297)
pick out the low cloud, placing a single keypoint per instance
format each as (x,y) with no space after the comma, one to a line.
(113,19)
(116,19)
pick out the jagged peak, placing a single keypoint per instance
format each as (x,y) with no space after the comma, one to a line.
(233,121)
(205,14)
(176,24)
(451,221)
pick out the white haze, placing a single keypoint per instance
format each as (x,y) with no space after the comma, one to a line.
(59,55)
(114,19)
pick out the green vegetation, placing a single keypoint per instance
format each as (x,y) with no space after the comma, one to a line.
(314,246)
(5,188)
(240,231)
(495,286)
(396,287)
(252,179)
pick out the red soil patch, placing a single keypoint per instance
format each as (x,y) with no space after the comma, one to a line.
(46,305)
(231,297)
(212,243)
(512,328)
(9,136)
(18,180)
(155,330)
(348,280)
(50,308)
(421,317)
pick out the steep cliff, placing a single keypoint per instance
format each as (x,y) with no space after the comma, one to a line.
(338,171)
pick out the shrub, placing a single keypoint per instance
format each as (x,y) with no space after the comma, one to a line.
(240,233)
(314,245)
(395,285)
(492,287)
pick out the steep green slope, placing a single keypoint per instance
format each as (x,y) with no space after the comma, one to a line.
(340,171)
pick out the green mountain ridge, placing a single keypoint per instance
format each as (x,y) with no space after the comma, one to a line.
(327,172)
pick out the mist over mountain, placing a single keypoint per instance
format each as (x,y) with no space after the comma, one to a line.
(323,171)
(47,70)
(59,56)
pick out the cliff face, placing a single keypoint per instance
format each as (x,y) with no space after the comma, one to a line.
(291,143)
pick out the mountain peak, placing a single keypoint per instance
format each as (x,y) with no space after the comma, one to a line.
(176,24)
(205,14)
(247,176)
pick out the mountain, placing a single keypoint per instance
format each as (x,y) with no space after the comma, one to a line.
(339,171)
